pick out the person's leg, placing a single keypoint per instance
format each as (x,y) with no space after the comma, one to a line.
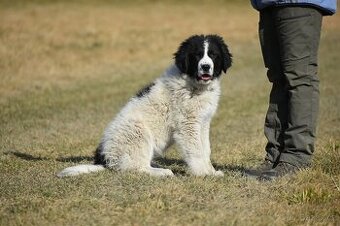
(276,116)
(298,30)
(276,121)
(299,34)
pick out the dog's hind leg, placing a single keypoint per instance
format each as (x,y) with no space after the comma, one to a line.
(133,149)
(141,163)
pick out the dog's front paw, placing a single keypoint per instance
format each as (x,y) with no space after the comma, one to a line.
(159,172)
(210,172)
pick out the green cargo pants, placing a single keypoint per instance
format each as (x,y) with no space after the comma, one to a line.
(289,38)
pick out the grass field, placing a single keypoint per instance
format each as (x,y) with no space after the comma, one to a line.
(66,68)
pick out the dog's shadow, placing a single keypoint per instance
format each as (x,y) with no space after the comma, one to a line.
(229,168)
(30,157)
(75,159)
(25,156)
(178,166)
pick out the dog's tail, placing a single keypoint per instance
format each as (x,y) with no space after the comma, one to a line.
(80,169)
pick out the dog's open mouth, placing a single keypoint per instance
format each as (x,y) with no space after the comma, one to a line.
(205,77)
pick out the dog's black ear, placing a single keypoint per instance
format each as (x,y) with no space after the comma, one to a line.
(182,55)
(226,55)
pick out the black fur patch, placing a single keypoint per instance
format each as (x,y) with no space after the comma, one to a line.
(225,55)
(98,156)
(187,52)
(145,90)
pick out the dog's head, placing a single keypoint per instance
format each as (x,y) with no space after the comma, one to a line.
(203,58)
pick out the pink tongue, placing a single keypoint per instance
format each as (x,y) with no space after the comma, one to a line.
(205,77)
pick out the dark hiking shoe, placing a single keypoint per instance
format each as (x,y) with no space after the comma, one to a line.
(282,169)
(256,172)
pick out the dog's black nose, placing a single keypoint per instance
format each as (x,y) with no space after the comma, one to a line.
(205,67)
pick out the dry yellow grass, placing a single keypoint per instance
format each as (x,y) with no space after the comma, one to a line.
(66,68)
(61,43)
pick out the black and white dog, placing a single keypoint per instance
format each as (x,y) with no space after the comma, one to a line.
(175,108)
